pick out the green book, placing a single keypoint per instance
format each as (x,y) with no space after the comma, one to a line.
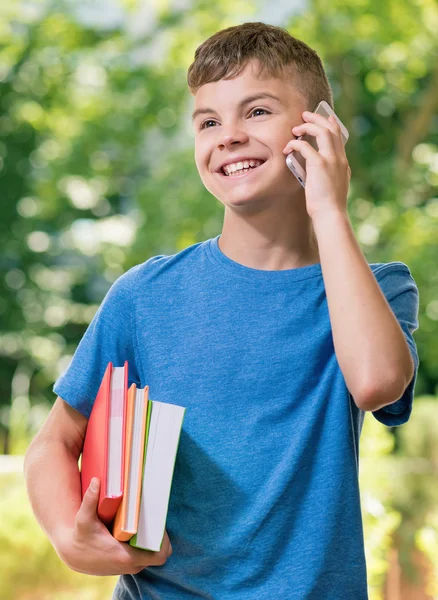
(163,430)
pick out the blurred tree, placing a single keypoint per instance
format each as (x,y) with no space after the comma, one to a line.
(97,171)
(90,117)
(399,500)
(30,566)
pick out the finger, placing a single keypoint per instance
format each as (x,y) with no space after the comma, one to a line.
(137,559)
(330,123)
(337,132)
(87,512)
(305,149)
(312,117)
(325,139)
(166,546)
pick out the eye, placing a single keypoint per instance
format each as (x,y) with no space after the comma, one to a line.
(203,125)
(262,109)
(207,121)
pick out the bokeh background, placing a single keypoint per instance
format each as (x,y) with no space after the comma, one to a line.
(97,174)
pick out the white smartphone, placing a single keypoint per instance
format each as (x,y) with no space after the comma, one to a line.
(295,160)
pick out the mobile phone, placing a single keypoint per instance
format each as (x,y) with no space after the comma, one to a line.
(295,161)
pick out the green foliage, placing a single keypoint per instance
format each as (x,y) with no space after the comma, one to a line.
(399,492)
(426,539)
(415,493)
(97,170)
(30,565)
(380,520)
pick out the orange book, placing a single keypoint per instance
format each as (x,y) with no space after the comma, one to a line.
(103,450)
(126,521)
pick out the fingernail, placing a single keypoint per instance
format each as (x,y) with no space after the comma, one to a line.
(94,484)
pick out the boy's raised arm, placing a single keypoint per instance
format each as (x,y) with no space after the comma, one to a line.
(53,483)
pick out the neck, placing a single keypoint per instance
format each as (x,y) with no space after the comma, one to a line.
(273,239)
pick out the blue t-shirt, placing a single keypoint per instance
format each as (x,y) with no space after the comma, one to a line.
(265,498)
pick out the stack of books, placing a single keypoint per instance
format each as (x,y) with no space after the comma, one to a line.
(131,444)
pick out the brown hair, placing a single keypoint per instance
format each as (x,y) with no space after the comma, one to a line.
(225,54)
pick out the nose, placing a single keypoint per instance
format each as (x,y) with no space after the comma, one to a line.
(232,134)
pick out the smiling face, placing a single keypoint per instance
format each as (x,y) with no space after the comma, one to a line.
(229,128)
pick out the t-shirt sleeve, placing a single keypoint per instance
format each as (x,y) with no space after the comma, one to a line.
(108,338)
(401,292)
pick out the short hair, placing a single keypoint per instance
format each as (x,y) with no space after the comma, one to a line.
(226,53)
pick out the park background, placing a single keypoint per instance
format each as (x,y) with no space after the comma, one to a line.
(97,174)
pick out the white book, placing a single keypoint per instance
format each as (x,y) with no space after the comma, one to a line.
(160,455)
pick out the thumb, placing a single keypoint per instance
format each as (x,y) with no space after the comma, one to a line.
(88,509)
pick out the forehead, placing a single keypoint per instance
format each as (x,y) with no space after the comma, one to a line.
(248,82)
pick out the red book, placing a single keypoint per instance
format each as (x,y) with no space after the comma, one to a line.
(104,443)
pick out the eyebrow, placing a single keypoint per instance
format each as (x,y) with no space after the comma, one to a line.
(247,100)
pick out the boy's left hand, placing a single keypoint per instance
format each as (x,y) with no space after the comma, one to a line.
(327,171)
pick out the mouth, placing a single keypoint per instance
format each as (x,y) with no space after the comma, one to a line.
(247,173)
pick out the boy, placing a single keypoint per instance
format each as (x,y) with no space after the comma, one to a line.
(276,335)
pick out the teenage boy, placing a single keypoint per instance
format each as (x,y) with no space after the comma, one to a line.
(277,336)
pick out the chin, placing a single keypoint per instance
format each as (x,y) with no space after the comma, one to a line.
(247,203)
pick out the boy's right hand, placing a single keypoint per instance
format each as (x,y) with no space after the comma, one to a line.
(90,548)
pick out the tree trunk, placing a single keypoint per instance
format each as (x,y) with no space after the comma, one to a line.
(399,587)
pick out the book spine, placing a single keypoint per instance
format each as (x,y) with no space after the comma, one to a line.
(104,483)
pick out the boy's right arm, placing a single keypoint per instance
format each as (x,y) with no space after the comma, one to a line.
(53,482)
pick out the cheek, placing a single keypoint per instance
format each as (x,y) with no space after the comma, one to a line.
(200,160)
(278,139)
(202,167)
(284,131)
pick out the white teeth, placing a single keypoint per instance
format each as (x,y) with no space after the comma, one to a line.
(228,169)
